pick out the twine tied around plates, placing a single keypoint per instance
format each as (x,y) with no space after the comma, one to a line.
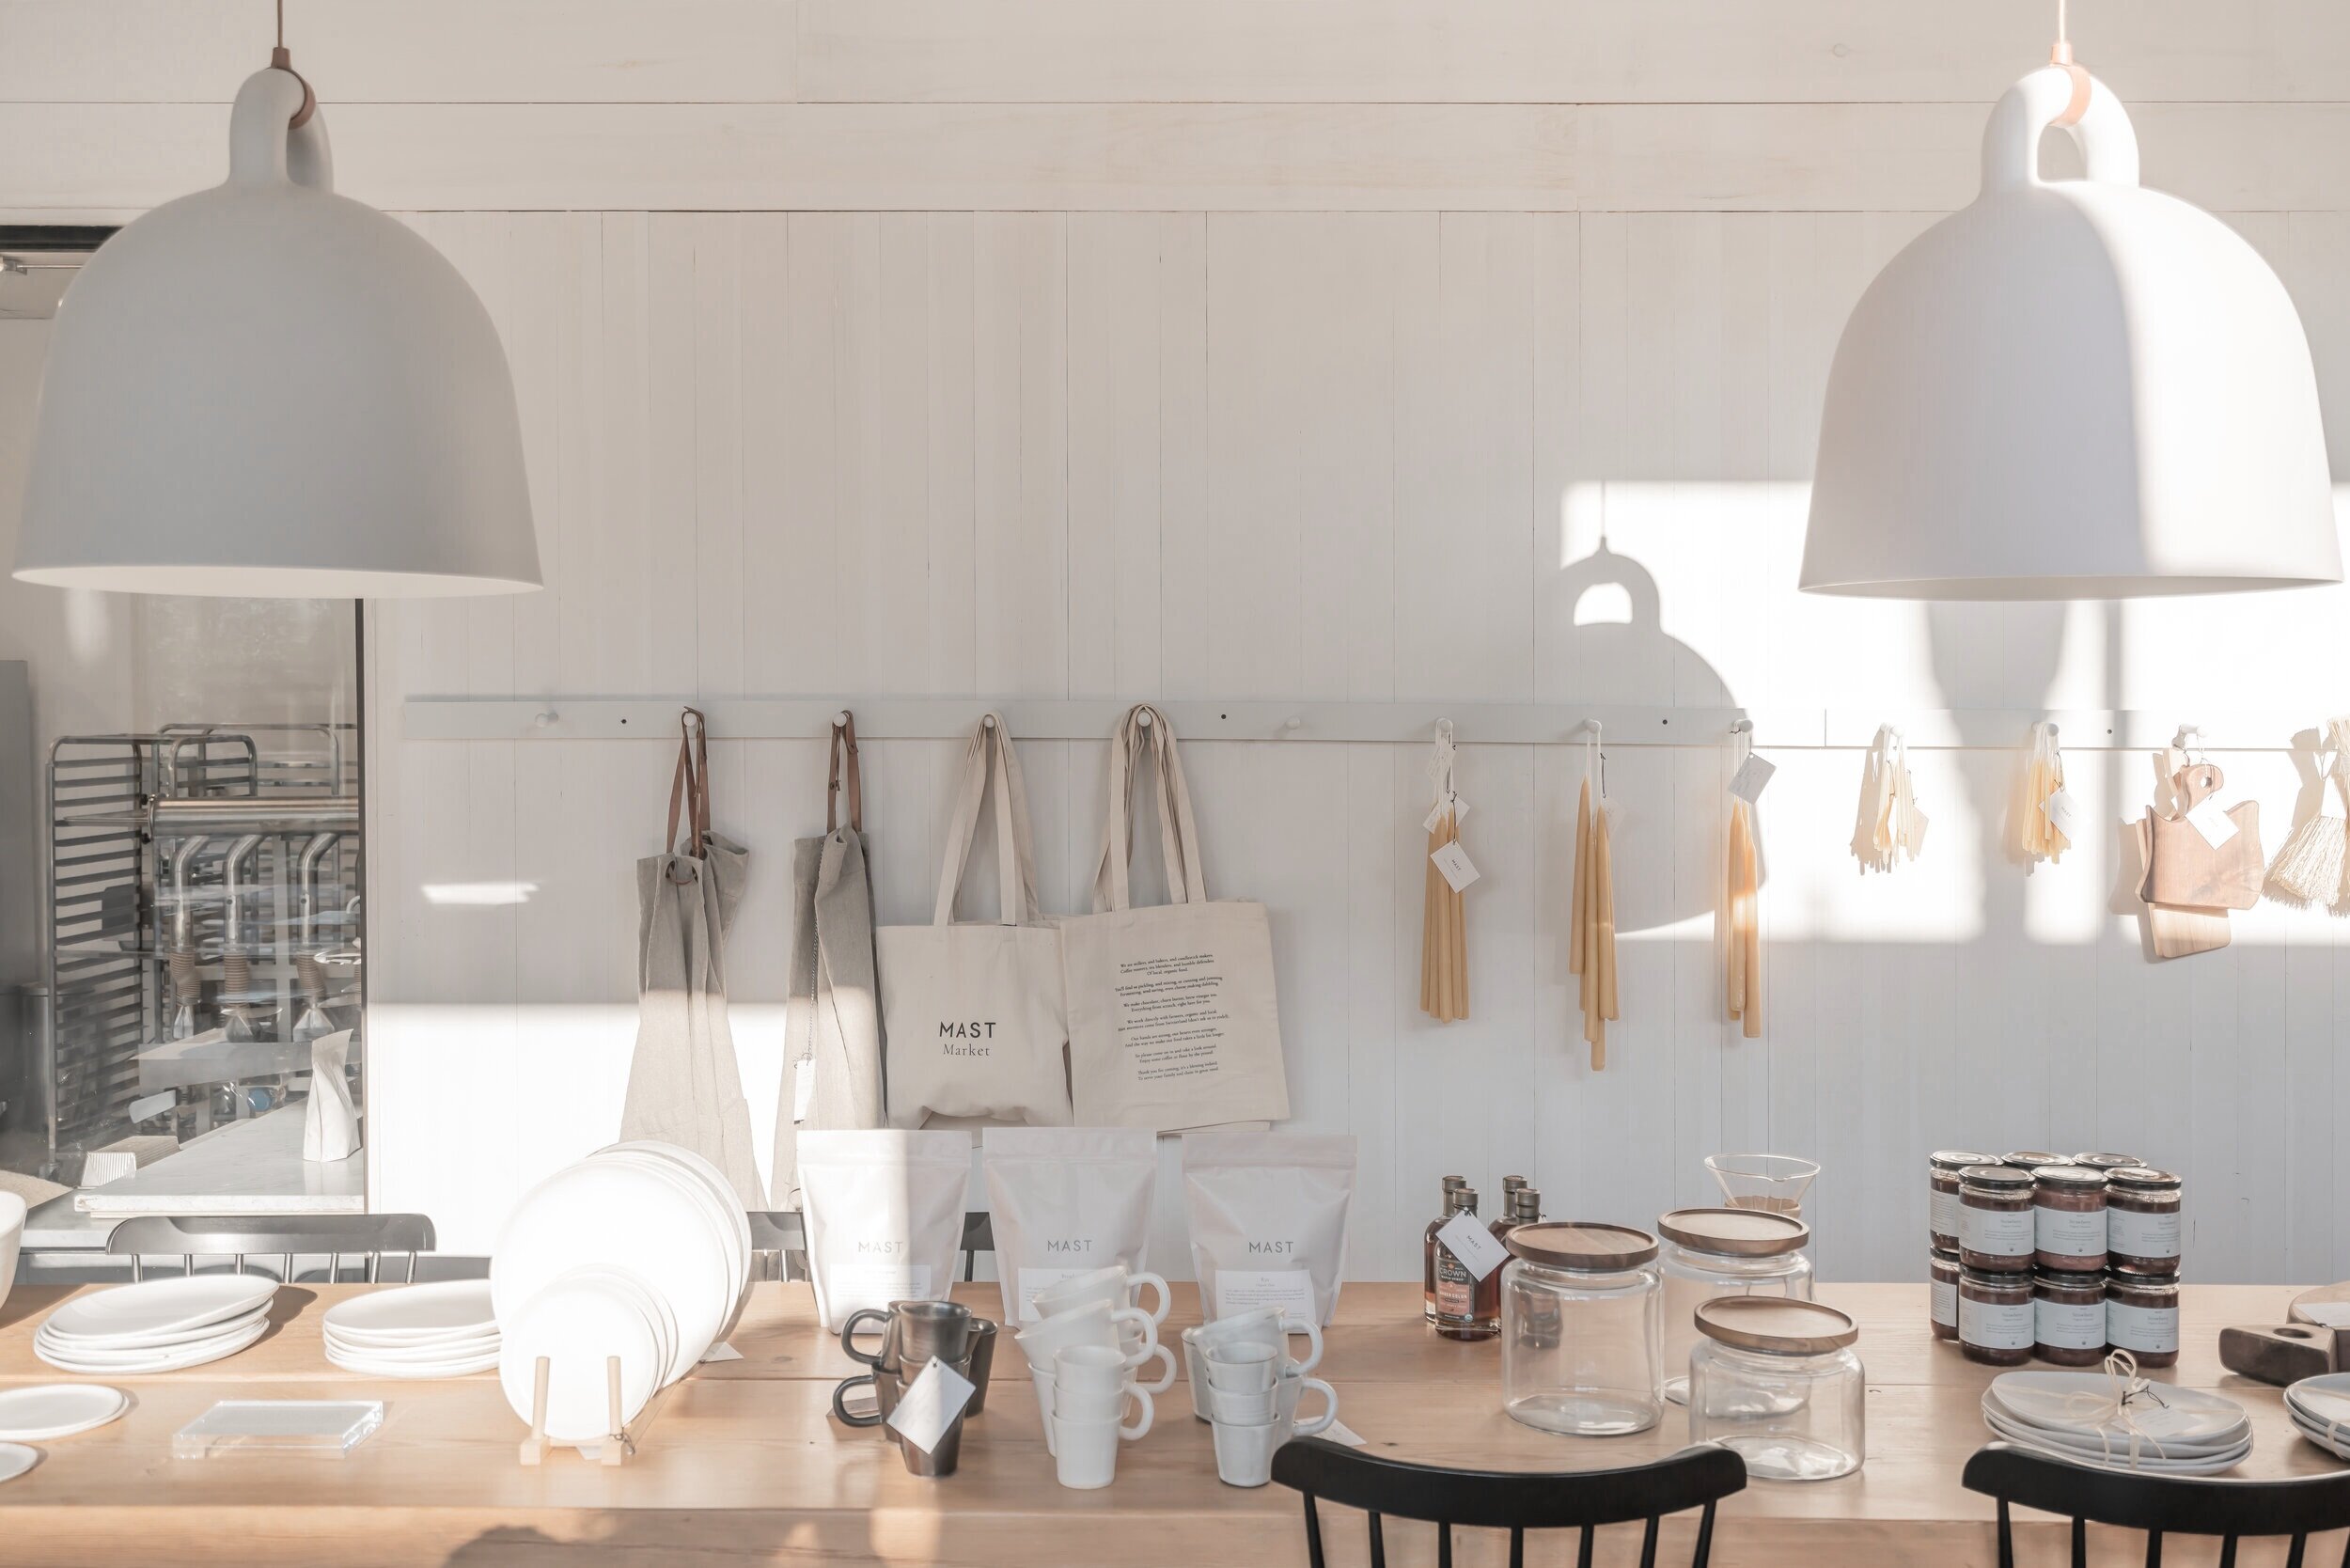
(2108,1414)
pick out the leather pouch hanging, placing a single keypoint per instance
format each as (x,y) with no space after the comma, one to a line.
(2186,867)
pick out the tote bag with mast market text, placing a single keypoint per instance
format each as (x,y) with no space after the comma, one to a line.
(1173,1021)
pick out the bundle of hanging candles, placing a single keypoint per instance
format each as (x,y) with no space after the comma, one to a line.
(2044,778)
(1591,931)
(1741,900)
(1444,927)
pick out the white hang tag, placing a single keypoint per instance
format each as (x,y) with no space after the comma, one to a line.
(1752,774)
(802,1088)
(720,1352)
(1453,862)
(1465,1237)
(930,1404)
(2063,811)
(1338,1432)
(2215,825)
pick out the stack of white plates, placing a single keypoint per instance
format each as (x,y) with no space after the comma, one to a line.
(157,1325)
(2179,1431)
(439,1330)
(2320,1407)
(641,1251)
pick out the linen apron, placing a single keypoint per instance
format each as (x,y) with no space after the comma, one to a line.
(832,1041)
(683,1085)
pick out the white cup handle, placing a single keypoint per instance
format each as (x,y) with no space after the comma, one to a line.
(1163,1385)
(1329,1408)
(1166,1298)
(1141,1424)
(1313,1339)
(1141,1319)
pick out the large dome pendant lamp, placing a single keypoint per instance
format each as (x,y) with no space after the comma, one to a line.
(2071,389)
(266,390)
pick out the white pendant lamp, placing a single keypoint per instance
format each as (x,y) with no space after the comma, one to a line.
(266,390)
(2071,389)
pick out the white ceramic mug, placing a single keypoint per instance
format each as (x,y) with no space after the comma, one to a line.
(1090,1384)
(1090,1369)
(1093,1325)
(1244,1368)
(1084,1408)
(1114,1285)
(1285,1404)
(1243,1455)
(1084,1453)
(1262,1326)
(1241,1406)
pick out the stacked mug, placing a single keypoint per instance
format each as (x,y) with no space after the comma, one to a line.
(1089,1341)
(914,1333)
(1245,1384)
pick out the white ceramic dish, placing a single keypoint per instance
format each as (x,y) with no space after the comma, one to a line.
(488,1362)
(48,1411)
(160,1361)
(457,1350)
(142,1346)
(577,1321)
(157,1309)
(2179,1417)
(724,1201)
(414,1314)
(15,1459)
(2118,1458)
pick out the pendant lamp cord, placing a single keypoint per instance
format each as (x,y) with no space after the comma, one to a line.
(281,58)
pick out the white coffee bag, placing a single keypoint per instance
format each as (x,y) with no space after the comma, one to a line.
(1267,1213)
(884,1212)
(1065,1201)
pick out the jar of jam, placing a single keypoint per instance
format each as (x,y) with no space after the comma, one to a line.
(2142,1316)
(2107,1162)
(1995,1230)
(2068,1217)
(2068,1316)
(1942,1293)
(2143,1220)
(2032,1159)
(1942,1171)
(1995,1317)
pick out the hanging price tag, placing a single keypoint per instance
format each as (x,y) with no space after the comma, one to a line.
(1452,861)
(1465,1237)
(1752,774)
(2064,813)
(930,1404)
(2215,825)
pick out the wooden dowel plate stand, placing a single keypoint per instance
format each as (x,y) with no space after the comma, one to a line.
(617,1446)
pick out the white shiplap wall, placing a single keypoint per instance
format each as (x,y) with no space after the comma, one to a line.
(1288,351)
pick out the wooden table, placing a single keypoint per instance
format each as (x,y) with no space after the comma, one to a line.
(744,1464)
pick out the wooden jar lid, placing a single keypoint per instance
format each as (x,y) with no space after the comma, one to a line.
(1734,1232)
(1587,1247)
(1776,1324)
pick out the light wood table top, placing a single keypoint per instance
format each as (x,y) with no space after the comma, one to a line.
(745,1464)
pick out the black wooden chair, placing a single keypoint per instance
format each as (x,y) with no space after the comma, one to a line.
(1516,1501)
(2159,1505)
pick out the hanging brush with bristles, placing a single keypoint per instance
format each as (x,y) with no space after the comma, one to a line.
(2308,871)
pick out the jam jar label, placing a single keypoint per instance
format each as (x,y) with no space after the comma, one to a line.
(2064,1326)
(1945,1303)
(1995,1326)
(2137,1235)
(1995,1232)
(2069,1233)
(1941,1213)
(2147,1330)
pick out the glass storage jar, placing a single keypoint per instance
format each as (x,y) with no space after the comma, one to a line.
(1710,1253)
(1942,1293)
(1942,1172)
(2032,1159)
(1996,1229)
(2143,1220)
(2068,1218)
(2142,1316)
(1581,1329)
(2107,1162)
(1995,1317)
(2068,1315)
(1777,1383)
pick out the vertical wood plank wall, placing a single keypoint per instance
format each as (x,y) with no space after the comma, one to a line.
(1468,352)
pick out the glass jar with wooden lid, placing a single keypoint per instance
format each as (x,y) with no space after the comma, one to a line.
(2068,1215)
(1943,1168)
(2142,1316)
(2107,1162)
(2143,1225)
(1705,1253)
(1996,1229)
(1777,1383)
(1995,1323)
(2032,1159)
(1581,1328)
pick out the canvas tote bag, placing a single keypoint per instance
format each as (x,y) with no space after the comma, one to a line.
(683,1087)
(832,1048)
(1173,1022)
(973,1013)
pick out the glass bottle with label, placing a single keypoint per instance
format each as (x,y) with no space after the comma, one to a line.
(1467,1308)
(1428,1244)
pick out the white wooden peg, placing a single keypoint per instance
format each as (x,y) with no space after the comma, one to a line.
(535,1446)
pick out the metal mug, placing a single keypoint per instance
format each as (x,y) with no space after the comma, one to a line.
(912,1332)
(888,1379)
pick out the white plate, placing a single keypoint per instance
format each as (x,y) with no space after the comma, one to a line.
(2100,1444)
(446,1310)
(2053,1401)
(457,1350)
(141,1346)
(416,1369)
(2324,1397)
(51,1410)
(577,1323)
(624,1216)
(15,1459)
(2323,1438)
(714,1206)
(161,1307)
(192,1356)
(2149,1463)
(727,1205)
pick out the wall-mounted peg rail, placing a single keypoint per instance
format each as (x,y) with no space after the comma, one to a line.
(559,718)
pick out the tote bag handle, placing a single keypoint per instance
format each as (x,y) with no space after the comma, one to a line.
(843,768)
(1145,739)
(689,792)
(991,755)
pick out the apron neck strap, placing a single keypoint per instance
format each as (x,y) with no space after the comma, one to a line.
(689,791)
(844,774)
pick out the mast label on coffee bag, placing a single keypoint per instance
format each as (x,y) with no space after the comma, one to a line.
(1246,1290)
